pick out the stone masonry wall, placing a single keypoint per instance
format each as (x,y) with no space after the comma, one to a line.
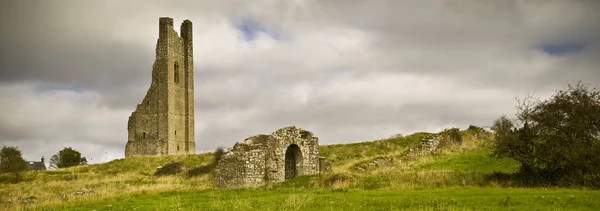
(163,124)
(428,145)
(262,159)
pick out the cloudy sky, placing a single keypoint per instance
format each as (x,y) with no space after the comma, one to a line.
(71,72)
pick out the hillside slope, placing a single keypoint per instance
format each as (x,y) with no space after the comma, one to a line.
(379,164)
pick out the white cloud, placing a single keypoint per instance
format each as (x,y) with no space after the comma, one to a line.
(42,121)
(347,70)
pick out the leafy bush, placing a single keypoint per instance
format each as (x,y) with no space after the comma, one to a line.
(451,136)
(219,152)
(557,141)
(475,128)
(11,161)
(67,157)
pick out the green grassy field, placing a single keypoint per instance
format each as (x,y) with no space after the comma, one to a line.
(472,160)
(328,199)
(456,177)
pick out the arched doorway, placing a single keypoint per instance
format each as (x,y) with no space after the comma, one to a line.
(293,161)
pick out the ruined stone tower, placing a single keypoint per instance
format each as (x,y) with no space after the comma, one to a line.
(163,124)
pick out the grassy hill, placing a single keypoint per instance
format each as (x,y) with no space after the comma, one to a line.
(373,175)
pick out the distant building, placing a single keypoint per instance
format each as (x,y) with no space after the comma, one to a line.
(36,165)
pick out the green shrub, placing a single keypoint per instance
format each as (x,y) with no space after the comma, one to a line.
(475,129)
(557,141)
(67,157)
(451,136)
(11,161)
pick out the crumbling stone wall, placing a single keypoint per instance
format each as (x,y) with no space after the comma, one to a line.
(429,144)
(262,159)
(163,124)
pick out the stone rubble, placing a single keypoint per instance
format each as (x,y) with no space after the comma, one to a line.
(428,145)
(77,193)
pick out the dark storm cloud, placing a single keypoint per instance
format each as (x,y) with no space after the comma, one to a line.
(72,45)
(71,72)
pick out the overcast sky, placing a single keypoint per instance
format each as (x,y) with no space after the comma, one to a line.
(71,72)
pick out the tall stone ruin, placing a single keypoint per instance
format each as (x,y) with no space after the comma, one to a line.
(163,124)
(264,159)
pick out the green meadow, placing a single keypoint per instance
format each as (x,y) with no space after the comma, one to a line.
(455,177)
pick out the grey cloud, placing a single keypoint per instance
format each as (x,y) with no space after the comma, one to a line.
(348,70)
(48,42)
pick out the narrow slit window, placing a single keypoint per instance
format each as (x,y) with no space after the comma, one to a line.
(176,72)
(175,132)
(144,135)
(177,148)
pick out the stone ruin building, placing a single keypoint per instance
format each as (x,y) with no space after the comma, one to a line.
(264,159)
(163,124)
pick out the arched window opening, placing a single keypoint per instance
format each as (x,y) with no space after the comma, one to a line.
(177,148)
(176,72)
